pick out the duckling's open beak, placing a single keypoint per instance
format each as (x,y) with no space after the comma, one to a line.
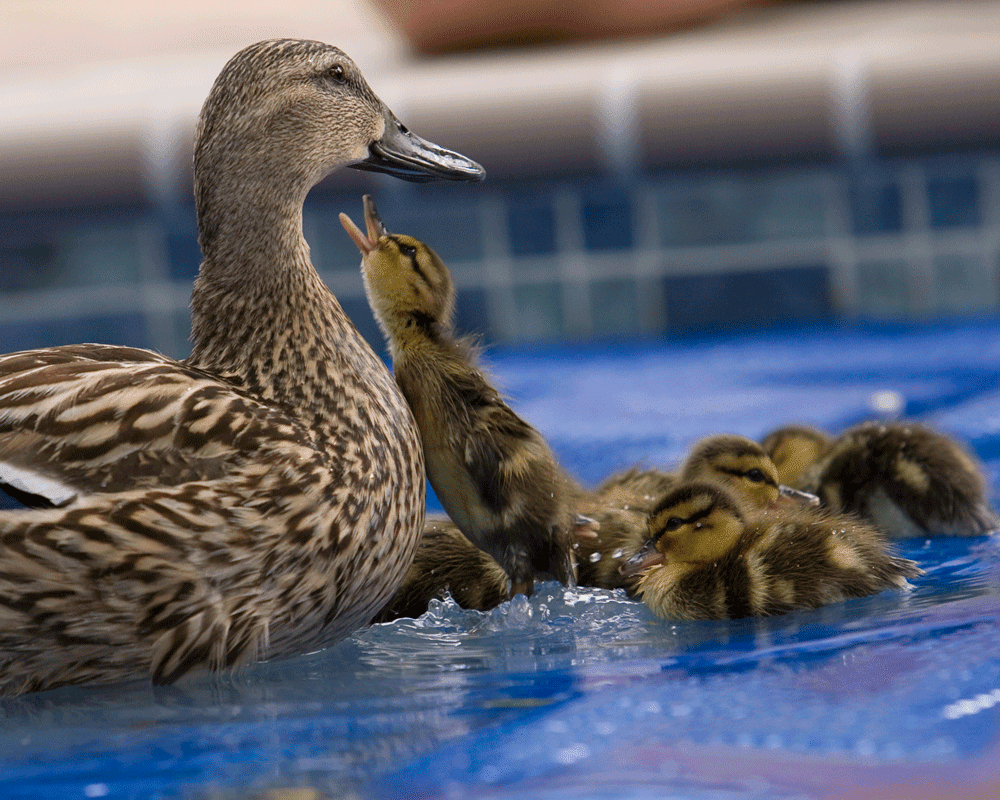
(786,494)
(365,245)
(648,556)
(374,224)
(405,155)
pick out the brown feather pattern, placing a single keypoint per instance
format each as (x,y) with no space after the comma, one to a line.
(263,498)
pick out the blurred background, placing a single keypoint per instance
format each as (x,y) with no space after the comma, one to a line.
(664,169)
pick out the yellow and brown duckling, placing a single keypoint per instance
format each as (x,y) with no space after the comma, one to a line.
(908,479)
(493,472)
(447,563)
(733,461)
(708,558)
(794,449)
(262,498)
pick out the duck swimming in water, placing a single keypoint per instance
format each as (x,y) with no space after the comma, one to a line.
(263,497)
(908,479)
(708,558)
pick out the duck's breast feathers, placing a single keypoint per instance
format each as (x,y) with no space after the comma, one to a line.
(89,418)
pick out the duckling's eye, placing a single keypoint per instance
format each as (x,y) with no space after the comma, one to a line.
(337,73)
(673,524)
(407,250)
(755,475)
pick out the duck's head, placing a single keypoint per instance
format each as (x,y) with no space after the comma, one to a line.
(408,285)
(695,523)
(302,108)
(741,465)
(793,448)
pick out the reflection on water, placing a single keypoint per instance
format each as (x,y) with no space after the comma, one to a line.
(586,661)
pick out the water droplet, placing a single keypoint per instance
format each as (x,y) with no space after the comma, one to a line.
(594,558)
(618,553)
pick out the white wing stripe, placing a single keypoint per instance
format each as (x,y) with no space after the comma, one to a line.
(31,482)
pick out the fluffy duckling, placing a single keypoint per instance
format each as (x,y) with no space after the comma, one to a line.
(730,460)
(493,473)
(447,561)
(908,479)
(793,449)
(707,558)
(262,498)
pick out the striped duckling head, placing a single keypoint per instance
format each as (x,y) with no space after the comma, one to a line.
(741,465)
(696,523)
(407,283)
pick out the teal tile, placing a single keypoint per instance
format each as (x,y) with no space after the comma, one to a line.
(742,209)
(876,208)
(747,299)
(963,285)
(953,201)
(539,310)
(614,307)
(883,288)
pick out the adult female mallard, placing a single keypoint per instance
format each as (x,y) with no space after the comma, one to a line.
(263,497)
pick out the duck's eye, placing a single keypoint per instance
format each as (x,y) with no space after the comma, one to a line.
(673,524)
(337,73)
(755,475)
(407,250)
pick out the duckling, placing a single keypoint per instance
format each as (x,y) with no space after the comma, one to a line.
(447,562)
(493,473)
(262,498)
(906,478)
(707,558)
(793,449)
(635,486)
(733,461)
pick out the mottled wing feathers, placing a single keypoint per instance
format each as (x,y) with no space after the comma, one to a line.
(491,436)
(90,418)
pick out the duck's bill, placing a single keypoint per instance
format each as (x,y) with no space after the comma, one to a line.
(405,155)
(373,222)
(648,556)
(798,496)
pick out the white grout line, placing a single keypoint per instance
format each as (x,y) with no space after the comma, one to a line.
(918,246)
(571,262)
(842,251)
(498,278)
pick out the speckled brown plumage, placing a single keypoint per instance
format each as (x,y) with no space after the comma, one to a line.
(264,497)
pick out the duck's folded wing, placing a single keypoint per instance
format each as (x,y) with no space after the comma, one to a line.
(83,419)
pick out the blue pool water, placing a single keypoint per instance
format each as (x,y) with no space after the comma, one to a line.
(584,693)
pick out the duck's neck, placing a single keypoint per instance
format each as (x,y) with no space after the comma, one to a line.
(261,316)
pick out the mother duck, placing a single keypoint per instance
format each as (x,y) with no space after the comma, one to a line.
(263,497)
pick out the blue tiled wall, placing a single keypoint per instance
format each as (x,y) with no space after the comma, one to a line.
(667,253)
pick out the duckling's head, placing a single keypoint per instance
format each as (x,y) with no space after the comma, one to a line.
(409,287)
(793,448)
(695,523)
(300,109)
(741,465)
